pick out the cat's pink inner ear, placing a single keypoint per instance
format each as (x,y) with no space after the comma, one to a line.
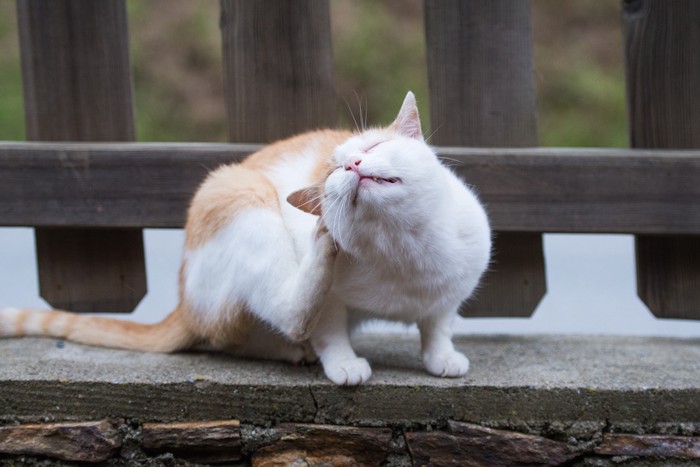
(307,199)
(407,123)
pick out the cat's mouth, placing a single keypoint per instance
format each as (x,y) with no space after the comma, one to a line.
(368,180)
(380,180)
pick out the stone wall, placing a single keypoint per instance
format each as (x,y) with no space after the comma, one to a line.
(230,442)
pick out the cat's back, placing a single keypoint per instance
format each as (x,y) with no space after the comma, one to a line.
(297,162)
(262,180)
(316,146)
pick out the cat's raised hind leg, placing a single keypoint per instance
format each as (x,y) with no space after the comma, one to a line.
(253,261)
(267,344)
(311,286)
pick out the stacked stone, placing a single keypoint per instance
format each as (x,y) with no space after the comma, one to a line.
(216,442)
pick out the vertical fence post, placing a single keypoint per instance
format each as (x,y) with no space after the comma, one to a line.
(662,40)
(482,94)
(278,68)
(77,87)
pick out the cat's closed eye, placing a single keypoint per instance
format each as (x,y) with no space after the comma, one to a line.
(368,149)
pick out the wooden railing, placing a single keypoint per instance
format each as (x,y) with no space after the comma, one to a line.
(88,200)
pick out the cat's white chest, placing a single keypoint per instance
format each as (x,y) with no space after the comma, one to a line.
(422,273)
(401,292)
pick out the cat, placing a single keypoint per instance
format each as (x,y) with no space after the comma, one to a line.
(288,250)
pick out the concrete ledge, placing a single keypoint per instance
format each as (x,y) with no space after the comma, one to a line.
(514,382)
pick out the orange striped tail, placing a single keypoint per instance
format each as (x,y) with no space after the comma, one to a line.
(169,335)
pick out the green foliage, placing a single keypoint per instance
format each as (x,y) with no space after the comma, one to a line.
(584,108)
(379,53)
(11,102)
(176,59)
(579,69)
(11,99)
(379,56)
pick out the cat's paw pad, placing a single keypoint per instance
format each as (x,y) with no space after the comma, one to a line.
(449,364)
(348,372)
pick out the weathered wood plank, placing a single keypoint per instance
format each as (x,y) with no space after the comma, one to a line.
(620,444)
(278,68)
(204,442)
(525,190)
(668,274)
(511,268)
(480,73)
(663,98)
(94,185)
(473,445)
(83,441)
(482,93)
(317,445)
(77,87)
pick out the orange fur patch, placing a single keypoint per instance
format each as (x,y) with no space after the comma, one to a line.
(226,192)
(324,149)
(324,141)
(19,322)
(47,321)
(236,187)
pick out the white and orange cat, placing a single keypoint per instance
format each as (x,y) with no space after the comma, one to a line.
(309,236)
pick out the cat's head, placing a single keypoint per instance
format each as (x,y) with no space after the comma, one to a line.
(386,175)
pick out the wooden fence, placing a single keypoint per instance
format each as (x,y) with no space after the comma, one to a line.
(89,190)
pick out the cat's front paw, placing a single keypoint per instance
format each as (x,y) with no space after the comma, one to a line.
(450,364)
(324,241)
(348,372)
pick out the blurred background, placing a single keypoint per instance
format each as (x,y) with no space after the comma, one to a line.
(379,53)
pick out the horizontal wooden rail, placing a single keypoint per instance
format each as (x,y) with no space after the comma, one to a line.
(526,190)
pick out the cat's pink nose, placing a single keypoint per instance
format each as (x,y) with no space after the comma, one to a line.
(353,163)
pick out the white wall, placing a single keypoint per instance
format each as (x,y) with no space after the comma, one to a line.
(590,278)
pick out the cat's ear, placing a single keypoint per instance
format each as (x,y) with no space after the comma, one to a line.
(407,123)
(307,199)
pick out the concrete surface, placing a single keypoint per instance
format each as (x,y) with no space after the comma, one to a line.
(514,381)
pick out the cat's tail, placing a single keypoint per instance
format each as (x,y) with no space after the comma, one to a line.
(169,335)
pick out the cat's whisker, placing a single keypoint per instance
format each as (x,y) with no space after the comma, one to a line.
(432,133)
(310,201)
(330,208)
(363,115)
(364,123)
(344,211)
(357,127)
(452,162)
(317,229)
(342,215)
(359,107)
(336,218)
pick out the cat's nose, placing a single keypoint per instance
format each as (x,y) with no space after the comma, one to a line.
(353,163)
